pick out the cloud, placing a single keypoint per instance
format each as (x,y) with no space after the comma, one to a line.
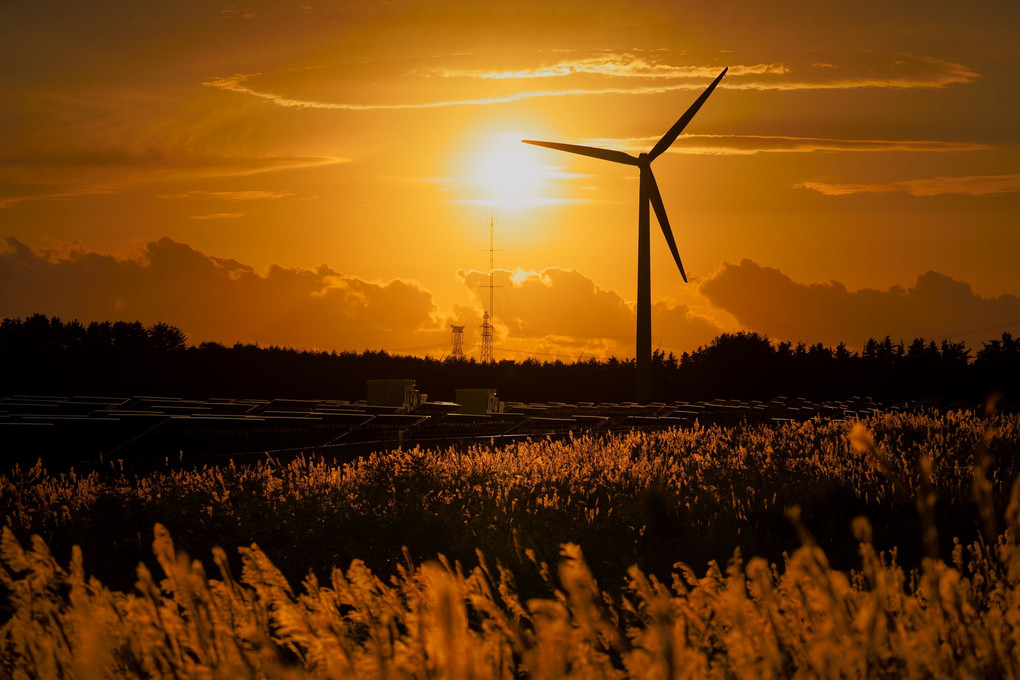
(58,176)
(620,66)
(745,145)
(765,300)
(783,71)
(215,299)
(550,314)
(979,185)
(98,139)
(563,313)
(233,12)
(238,83)
(443,83)
(230,195)
(8,201)
(518,203)
(553,313)
(217,216)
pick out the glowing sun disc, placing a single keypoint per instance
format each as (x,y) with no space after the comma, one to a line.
(505,173)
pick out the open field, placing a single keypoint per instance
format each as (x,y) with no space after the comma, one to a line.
(617,512)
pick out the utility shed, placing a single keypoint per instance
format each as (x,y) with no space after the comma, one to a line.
(478,401)
(398,392)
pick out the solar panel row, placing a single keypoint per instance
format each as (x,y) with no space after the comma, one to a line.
(84,430)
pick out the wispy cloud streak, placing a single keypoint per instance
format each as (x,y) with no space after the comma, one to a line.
(229,195)
(516,203)
(615,74)
(237,84)
(9,201)
(753,144)
(620,66)
(217,216)
(791,72)
(980,185)
(64,179)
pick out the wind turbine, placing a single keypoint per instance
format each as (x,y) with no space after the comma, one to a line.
(649,194)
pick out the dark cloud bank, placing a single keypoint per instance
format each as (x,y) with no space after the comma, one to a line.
(214,299)
(936,307)
(557,312)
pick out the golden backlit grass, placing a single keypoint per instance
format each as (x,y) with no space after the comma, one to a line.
(748,620)
(648,498)
(797,617)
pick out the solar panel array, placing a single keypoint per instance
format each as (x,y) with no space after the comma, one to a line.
(91,429)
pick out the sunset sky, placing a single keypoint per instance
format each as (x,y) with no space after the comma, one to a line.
(321,175)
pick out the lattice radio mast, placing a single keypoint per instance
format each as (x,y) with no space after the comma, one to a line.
(488,317)
(457,333)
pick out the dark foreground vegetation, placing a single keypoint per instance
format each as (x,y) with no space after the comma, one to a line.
(642,498)
(44,355)
(567,559)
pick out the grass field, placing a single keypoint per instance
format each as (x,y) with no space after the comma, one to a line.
(805,550)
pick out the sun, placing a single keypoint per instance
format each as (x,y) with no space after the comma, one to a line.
(505,173)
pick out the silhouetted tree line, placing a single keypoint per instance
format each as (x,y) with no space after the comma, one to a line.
(39,334)
(47,356)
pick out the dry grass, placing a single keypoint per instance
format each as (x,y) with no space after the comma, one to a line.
(436,621)
(800,617)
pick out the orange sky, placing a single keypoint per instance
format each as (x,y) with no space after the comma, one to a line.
(322,174)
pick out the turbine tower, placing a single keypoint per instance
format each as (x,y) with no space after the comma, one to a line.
(649,194)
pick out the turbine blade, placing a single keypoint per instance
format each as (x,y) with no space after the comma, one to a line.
(603,154)
(660,213)
(678,127)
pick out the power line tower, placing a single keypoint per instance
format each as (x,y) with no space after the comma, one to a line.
(487,340)
(457,333)
(488,317)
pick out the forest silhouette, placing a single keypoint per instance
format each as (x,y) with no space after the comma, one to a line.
(44,355)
